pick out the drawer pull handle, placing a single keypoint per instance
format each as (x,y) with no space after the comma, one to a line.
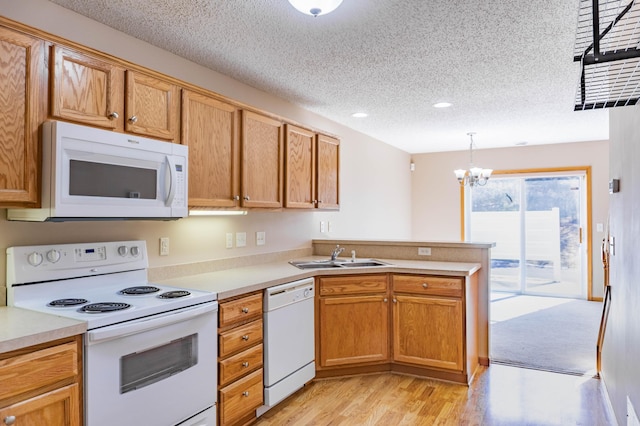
(9,420)
(425,285)
(245,337)
(245,364)
(245,310)
(245,393)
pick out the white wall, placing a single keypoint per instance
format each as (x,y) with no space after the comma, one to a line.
(436,209)
(621,351)
(375,200)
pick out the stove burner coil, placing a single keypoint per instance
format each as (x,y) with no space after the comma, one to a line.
(63,303)
(100,307)
(174,294)
(143,289)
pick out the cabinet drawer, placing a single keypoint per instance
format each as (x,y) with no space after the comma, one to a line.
(240,338)
(353,284)
(37,369)
(434,286)
(240,309)
(240,364)
(240,398)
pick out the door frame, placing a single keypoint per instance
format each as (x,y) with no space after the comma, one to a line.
(589,237)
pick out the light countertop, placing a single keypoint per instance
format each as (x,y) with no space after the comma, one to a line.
(20,328)
(234,282)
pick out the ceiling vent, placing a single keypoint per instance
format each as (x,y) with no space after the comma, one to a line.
(607,41)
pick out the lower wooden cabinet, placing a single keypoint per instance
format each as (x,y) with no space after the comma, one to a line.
(240,360)
(417,324)
(55,408)
(41,385)
(428,331)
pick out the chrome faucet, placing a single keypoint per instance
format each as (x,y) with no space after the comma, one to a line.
(336,252)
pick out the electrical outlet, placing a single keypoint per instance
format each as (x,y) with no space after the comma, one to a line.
(164,246)
(323,227)
(241,239)
(260,238)
(328,226)
(424,251)
(229,240)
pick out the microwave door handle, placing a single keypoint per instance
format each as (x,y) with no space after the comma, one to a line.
(172,180)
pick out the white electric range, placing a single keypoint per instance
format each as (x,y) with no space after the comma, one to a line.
(150,352)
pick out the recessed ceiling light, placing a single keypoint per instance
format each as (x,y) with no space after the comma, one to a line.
(442,105)
(359,115)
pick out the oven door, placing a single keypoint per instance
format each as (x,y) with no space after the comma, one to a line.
(159,370)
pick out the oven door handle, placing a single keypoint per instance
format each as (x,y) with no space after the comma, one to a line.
(150,323)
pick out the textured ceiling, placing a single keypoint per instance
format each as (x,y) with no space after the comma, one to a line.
(507,67)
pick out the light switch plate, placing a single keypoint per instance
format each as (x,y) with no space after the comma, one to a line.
(241,239)
(260,238)
(164,246)
(229,241)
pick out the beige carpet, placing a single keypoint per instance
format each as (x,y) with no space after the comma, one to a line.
(544,333)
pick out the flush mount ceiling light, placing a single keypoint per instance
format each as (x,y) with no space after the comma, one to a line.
(359,115)
(442,105)
(475,175)
(315,7)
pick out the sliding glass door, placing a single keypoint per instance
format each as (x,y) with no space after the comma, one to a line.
(537,223)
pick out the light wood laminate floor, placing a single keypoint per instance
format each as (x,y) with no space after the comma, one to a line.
(500,395)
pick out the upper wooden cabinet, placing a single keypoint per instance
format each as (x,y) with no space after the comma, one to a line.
(262,161)
(100,93)
(86,90)
(311,169)
(21,98)
(210,130)
(300,168)
(152,107)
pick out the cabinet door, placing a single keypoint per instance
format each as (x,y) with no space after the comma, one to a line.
(86,90)
(328,169)
(60,407)
(152,107)
(300,179)
(428,331)
(210,130)
(262,161)
(353,330)
(21,94)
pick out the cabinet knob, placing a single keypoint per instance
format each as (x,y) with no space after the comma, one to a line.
(236,198)
(395,300)
(133,119)
(245,310)
(245,393)
(245,364)
(246,198)
(425,285)
(113,116)
(385,300)
(245,337)
(9,420)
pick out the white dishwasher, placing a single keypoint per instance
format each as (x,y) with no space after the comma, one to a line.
(289,342)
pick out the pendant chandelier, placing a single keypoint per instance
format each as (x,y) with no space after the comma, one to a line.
(475,175)
(315,7)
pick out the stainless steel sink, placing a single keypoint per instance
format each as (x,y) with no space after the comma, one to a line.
(325,264)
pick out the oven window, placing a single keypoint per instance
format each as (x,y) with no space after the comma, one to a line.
(110,180)
(141,369)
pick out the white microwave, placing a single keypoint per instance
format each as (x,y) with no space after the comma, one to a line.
(94,174)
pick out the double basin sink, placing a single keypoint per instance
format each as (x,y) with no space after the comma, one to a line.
(325,264)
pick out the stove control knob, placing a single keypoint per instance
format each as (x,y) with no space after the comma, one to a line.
(123,250)
(135,251)
(53,256)
(34,258)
